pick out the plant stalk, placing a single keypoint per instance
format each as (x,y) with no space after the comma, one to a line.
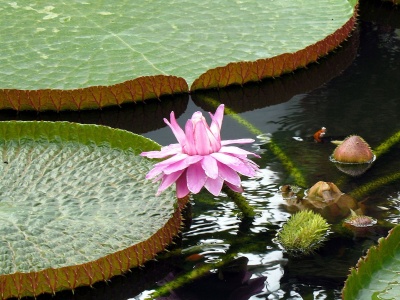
(188,277)
(241,202)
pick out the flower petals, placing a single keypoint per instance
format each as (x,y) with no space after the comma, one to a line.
(176,129)
(181,186)
(214,186)
(168,180)
(196,177)
(210,167)
(228,175)
(216,122)
(236,151)
(235,188)
(189,147)
(201,159)
(226,159)
(159,167)
(201,138)
(171,160)
(164,152)
(182,164)
(243,166)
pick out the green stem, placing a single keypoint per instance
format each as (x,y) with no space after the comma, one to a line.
(272,146)
(189,277)
(365,189)
(378,151)
(387,144)
(241,203)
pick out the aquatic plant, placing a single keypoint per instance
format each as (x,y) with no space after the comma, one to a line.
(353,150)
(324,191)
(65,221)
(324,198)
(132,58)
(353,156)
(303,233)
(376,275)
(359,220)
(374,185)
(386,145)
(272,146)
(228,278)
(201,158)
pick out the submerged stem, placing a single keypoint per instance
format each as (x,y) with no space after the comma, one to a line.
(272,146)
(384,147)
(189,277)
(387,144)
(241,202)
(367,188)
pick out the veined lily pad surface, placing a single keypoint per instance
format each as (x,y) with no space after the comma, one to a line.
(75,207)
(376,275)
(73,45)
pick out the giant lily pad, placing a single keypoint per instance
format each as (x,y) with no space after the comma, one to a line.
(76,55)
(75,207)
(377,274)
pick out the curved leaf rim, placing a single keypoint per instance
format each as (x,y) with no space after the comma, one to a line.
(148,87)
(52,280)
(360,276)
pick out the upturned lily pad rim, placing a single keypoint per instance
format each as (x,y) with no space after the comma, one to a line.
(147,87)
(378,258)
(81,133)
(52,280)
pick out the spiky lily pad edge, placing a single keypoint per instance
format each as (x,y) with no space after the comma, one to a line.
(240,73)
(149,87)
(361,274)
(52,280)
(94,97)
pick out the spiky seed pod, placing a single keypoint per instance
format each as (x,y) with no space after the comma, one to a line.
(353,150)
(303,233)
(359,220)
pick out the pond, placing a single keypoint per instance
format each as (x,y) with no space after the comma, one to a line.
(352,91)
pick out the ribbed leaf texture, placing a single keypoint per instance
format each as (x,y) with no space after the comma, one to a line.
(75,207)
(376,276)
(78,55)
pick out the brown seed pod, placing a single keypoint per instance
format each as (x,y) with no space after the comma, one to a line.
(359,220)
(353,150)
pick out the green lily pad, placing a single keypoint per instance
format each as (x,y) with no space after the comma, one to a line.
(111,52)
(377,276)
(75,207)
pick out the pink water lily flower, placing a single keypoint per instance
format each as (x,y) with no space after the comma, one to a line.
(201,159)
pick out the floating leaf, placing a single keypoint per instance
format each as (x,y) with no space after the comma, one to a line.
(75,55)
(75,207)
(92,97)
(376,276)
(279,90)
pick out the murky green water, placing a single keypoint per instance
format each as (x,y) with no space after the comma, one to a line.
(354,91)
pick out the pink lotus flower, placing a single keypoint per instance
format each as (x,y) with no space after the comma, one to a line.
(201,158)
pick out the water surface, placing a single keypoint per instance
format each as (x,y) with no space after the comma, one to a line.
(353,91)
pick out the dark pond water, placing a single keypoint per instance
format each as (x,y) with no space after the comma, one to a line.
(353,91)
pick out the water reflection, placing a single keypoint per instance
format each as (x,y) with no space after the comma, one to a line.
(279,90)
(139,117)
(346,105)
(359,97)
(232,281)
